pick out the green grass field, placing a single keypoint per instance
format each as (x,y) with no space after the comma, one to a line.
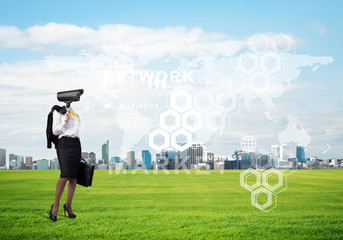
(171,206)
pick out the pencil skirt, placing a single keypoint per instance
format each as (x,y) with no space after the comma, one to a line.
(69,156)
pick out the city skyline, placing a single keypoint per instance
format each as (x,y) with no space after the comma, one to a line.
(195,154)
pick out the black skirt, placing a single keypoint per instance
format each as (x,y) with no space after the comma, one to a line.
(69,156)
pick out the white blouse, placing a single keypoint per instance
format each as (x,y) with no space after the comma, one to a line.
(67,129)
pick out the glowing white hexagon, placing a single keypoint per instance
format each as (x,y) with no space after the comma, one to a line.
(203,101)
(215,121)
(199,120)
(284,44)
(185,145)
(281,184)
(261,44)
(243,179)
(181,107)
(259,82)
(270,57)
(226,102)
(248,63)
(155,133)
(170,113)
(270,195)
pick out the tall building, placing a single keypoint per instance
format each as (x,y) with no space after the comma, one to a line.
(146,159)
(42,164)
(284,155)
(2,157)
(85,155)
(168,159)
(301,154)
(105,152)
(92,158)
(194,155)
(131,161)
(18,159)
(28,162)
(276,150)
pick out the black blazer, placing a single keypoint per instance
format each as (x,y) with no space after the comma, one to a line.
(50,137)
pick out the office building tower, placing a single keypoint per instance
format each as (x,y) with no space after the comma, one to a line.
(85,155)
(131,161)
(2,157)
(194,154)
(284,155)
(13,164)
(276,150)
(301,154)
(42,164)
(92,158)
(146,159)
(105,152)
(18,159)
(248,160)
(28,162)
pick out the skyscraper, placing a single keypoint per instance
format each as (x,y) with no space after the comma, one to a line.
(105,152)
(92,158)
(146,159)
(194,155)
(2,157)
(18,159)
(276,150)
(85,155)
(131,161)
(284,155)
(28,162)
(301,154)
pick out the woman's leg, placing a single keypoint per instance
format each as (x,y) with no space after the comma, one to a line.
(59,190)
(71,190)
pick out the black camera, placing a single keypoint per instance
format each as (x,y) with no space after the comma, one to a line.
(69,96)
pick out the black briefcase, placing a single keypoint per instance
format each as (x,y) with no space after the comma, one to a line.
(85,174)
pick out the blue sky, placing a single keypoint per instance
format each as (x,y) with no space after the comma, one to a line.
(314,25)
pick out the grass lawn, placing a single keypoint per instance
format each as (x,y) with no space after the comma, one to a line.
(171,206)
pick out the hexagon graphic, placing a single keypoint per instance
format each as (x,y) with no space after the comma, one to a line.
(196,117)
(181,101)
(261,44)
(259,82)
(215,121)
(244,179)
(238,83)
(271,199)
(226,102)
(280,186)
(183,146)
(154,134)
(248,63)
(270,63)
(170,120)
(203,101)
(284,44)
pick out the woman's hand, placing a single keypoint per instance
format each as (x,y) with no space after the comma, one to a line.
(81,156)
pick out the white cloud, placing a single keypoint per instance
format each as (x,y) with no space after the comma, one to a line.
(126,47)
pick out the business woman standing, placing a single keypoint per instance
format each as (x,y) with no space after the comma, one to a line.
(66,127)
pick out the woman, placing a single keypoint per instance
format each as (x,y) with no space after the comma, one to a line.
(66,127)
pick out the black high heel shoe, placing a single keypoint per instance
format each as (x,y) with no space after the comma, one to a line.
(51,216)
(71,215)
